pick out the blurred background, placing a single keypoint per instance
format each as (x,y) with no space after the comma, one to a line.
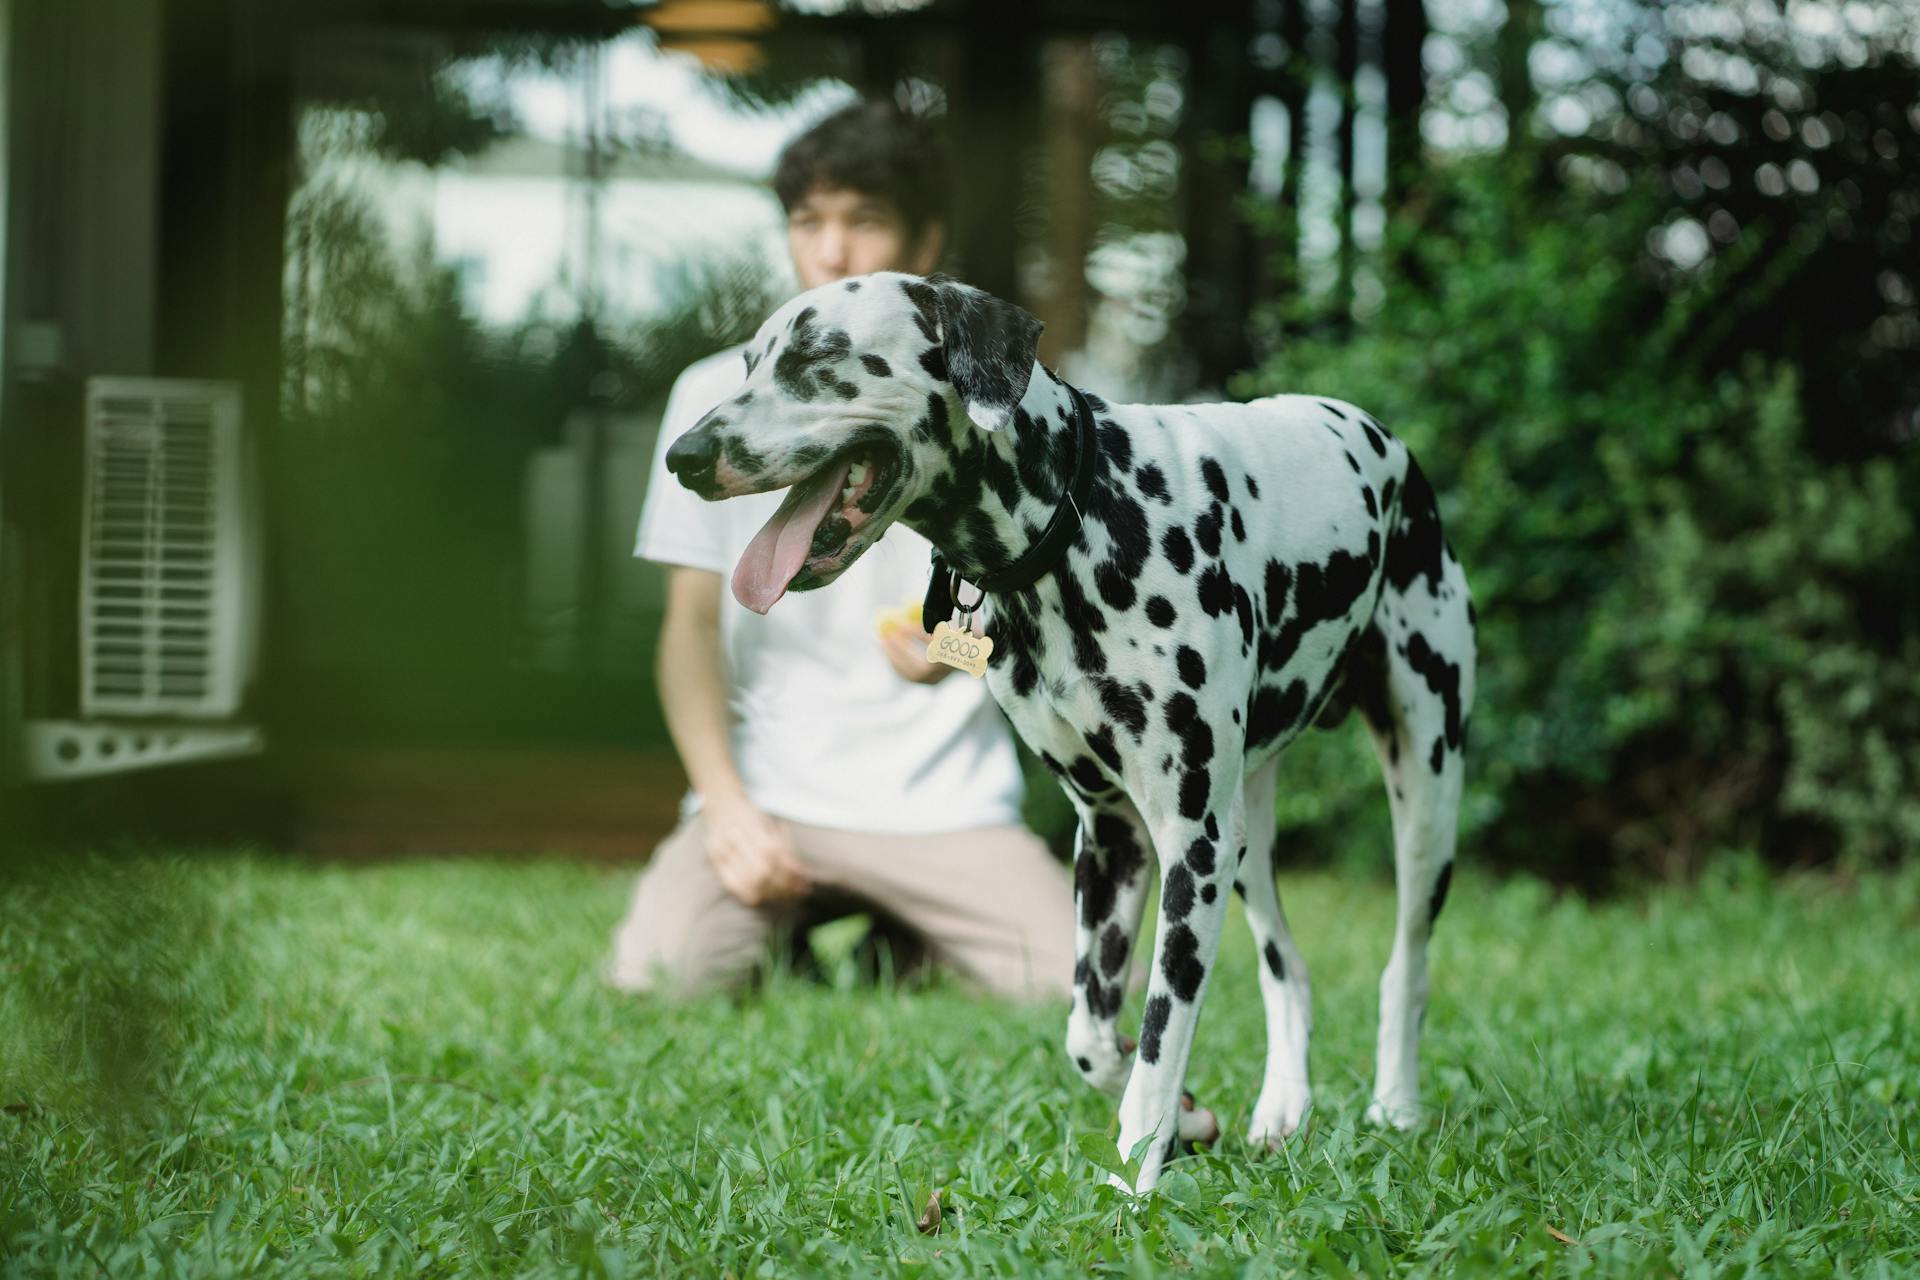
(335,341)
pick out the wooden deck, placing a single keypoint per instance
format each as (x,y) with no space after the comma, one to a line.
(606,804)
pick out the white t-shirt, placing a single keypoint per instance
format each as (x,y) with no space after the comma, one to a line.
(824,730)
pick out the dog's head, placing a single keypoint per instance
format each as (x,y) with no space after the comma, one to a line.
(857,395)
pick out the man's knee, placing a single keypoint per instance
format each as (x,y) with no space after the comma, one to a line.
(681,935)
(672,962)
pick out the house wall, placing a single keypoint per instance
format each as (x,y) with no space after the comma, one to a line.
(85,187)
(10,675)
(79,198)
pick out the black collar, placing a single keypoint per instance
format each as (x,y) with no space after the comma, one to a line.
(1047,551)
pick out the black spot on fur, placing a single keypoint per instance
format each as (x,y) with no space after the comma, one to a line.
(747,462)
(1176,898)
(1086,1067)
(926,307)
(1438,756)
(1440,888)
(1103,999)
(1113,950)
(803,369)
(876,365)
(1094,888)
(1039,457)
(1216,479)
(1321,593)
(1279,579)
(1180,963)
(1153,1025)
(1208,893)
(1178,549)
(1335,412)
(1193,794)
(1206,530)
(1239,526)
(1193,668)
(1086,776)
(1275,965)
(1115,837)
(1100,742)
(1084,621)
(1116,446)
(1126,524)
(1153,483)
(1160,611)
(1275,712)
(1374,438)
(934,361)
(1253,488)
(1442,677)
(1017,640)
(1212,828)
(1123,704)
(1415,544)
(1363,684)
(1200,857)
(1215,591)
(1116,588)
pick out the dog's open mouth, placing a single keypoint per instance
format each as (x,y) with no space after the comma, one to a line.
(808,538)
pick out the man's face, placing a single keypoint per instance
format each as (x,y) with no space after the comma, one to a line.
(834,233)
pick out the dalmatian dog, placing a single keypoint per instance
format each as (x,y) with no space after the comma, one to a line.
(1197,586)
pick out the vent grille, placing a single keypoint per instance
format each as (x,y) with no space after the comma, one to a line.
(162,585)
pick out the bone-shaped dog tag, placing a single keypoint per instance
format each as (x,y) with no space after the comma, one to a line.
(959,649)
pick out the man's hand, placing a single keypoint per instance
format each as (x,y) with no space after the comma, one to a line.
(906,649)
(752,854)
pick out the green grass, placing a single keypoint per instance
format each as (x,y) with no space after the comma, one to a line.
(226,1064)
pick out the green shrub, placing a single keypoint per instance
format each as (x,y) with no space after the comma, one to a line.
(1694,632)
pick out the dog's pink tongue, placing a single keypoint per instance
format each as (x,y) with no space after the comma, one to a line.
(780,548)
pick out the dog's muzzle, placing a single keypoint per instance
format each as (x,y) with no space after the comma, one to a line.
(691,460)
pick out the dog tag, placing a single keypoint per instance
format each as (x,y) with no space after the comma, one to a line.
(959,649)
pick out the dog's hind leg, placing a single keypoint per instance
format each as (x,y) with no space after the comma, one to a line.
(1419,734)
(1284,1092)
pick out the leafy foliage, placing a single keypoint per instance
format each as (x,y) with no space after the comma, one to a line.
(1697,629)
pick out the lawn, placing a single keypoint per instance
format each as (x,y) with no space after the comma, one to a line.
(237,1064)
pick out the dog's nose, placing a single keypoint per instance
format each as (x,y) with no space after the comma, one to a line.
(692,451)
(693,454)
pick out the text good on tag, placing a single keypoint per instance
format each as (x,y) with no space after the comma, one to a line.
(959,649)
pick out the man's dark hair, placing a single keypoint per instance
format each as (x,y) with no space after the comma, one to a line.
(873,148)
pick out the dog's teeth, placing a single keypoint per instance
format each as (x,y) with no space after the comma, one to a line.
(857,474)
(846,494)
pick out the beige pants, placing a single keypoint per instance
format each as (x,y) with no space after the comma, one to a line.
(991,904)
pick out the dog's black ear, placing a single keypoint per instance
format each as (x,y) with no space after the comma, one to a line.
(990,347)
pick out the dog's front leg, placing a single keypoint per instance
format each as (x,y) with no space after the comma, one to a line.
(1110,883)
(1198,846)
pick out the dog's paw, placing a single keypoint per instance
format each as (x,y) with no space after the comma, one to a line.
(1198,1125)
(1275,1120)
(1395,1113)
(1271,1136)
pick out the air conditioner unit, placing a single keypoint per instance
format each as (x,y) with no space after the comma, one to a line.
(169,586)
